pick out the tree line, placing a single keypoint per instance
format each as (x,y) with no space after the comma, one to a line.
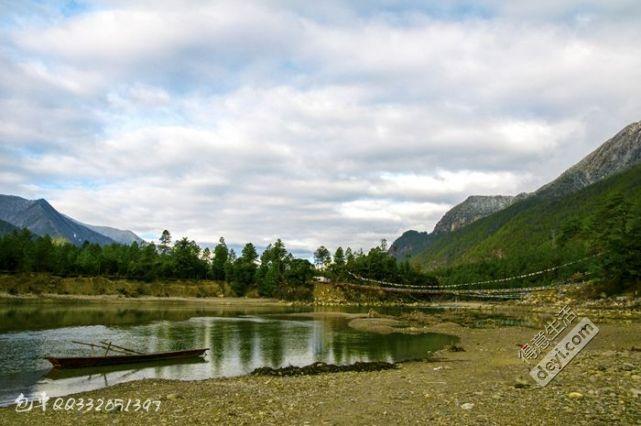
(273,273)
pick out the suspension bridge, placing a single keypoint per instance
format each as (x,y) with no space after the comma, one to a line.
(468,289)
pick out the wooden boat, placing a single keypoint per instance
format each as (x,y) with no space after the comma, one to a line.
(131,357)
(109,370)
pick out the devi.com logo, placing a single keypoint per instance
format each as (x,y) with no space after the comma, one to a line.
(561,355)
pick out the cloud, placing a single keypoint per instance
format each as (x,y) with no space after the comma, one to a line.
(338,123)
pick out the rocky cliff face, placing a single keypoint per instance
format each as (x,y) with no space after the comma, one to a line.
(616,155)
(472,209)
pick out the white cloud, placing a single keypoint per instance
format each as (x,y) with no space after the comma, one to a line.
(334,123)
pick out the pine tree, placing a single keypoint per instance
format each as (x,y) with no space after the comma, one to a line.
(165,242)
(221,255)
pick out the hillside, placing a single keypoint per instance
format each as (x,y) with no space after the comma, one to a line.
(617,154)
(409,244)
(41,218)
(6,227)
(529,227)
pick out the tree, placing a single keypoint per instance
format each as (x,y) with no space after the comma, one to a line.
(570,229)
(339,257)
(322,257)
(299,275)
(349,256)
(43,254)
(615,234)
(206,256)
(244,270)
(187,261)
(272,267)
(221,254)
(249,254)
(338,267)
(165,242)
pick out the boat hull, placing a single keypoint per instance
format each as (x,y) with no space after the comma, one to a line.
(80,362)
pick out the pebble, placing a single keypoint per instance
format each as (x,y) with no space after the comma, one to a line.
(467,406)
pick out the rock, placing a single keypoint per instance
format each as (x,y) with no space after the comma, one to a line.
(455,348)
(520,383)
(467,406)
(635,392)
(575,395)
(627,366)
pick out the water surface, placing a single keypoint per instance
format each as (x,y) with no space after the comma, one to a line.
(241,339)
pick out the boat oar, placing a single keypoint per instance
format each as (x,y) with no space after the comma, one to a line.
(111,347)
(120,347)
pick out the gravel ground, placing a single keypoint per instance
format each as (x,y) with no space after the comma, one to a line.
(485,384)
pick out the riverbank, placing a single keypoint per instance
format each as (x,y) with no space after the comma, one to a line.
(34,284)
(118,299)
(484,384)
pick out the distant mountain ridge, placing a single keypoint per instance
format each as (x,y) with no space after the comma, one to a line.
(41,218)
(118,235)
(473,208)
(122,236)
(619,153)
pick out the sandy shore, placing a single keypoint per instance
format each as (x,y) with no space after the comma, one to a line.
(485,384)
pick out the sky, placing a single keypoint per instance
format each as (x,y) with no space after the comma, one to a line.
(334,122)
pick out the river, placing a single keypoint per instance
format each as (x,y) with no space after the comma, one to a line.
(240,338)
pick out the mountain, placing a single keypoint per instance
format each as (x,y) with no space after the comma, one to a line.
(530,229)
(410,243)
(118,235)
(616,155)
(473,208)
(6,227)
(42,219)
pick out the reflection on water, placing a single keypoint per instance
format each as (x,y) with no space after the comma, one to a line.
(240,341)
